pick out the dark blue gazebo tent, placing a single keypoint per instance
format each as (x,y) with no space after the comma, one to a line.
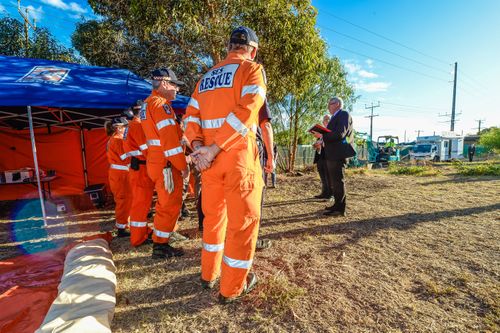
(44,93)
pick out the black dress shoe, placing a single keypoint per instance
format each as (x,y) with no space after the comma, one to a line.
(322,196)
(334,213)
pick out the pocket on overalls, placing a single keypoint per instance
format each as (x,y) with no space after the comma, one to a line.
(247,182)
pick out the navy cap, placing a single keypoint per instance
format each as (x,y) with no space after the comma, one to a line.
(245,36)
(134,110)
(119,121)
(165,73)
(128,113)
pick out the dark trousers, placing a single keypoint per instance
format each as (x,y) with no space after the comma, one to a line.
(336,175)
(323,175)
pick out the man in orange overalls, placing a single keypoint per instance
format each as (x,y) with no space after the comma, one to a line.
(221,120)
(134,145)
(166,163)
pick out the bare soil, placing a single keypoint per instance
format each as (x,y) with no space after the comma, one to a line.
(414,254)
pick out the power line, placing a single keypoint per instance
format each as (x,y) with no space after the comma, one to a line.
(474,81)
(391,64)
(468,92)
(383,49)
(383,37)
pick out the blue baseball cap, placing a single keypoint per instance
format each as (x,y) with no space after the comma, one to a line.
(244,35)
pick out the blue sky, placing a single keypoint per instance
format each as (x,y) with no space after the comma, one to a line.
(398,53)
(430,36)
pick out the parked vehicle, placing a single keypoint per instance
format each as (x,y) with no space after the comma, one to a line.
(438,147)
(425,152)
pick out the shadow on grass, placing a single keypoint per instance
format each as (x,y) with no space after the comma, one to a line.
(9,251)
(290,202)
(180,296)
(37,231)
(32,237)
(462,179)
(266,223)
(365,228)
(141,264)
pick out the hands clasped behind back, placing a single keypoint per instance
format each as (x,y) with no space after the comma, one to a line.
(203,156)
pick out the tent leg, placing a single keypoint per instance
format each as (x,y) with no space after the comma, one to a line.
(84,156)
(37,171)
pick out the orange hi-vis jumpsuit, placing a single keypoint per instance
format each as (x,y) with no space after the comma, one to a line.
(224,110)
(118,179)
(134,144)
(163,135)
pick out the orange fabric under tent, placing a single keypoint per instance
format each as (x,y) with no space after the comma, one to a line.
(61,151)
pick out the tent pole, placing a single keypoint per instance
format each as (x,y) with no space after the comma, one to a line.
(37,171)
(84,156)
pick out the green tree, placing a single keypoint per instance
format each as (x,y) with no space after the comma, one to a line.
(41,43)
(111,45)
(191,36)
(11,37)
(490,139)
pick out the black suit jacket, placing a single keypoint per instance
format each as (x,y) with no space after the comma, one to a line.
(339,142)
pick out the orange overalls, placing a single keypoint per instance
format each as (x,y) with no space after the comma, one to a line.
(118,180)
(163,136)
(134,144)
(224,110)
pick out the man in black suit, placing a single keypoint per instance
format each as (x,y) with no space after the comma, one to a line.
(338,148)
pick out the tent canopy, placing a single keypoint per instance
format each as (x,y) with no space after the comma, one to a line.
(64,95)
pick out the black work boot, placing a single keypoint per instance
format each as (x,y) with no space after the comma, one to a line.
(122,233)
(164,251)
(249,286)
(208,284)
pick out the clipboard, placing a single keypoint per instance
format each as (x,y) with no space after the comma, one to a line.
(320,129)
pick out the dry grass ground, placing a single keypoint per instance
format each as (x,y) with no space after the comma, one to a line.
(414,254)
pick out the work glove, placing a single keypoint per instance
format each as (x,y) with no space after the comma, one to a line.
(168,179)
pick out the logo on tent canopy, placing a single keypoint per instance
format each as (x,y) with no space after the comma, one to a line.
(45,74)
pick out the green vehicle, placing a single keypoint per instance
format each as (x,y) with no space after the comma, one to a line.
(388,149)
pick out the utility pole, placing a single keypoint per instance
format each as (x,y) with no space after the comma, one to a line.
(418,133)
(405,137)
(371,117)
(452,125)
(479,125)
(27,23)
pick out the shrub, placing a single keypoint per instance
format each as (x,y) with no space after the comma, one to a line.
(490,139)
(483,169)
(413,170)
